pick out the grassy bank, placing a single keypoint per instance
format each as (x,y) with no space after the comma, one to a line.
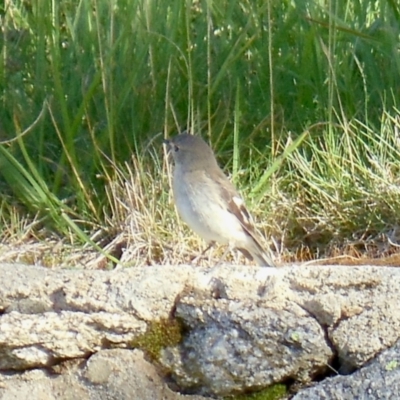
(299,100)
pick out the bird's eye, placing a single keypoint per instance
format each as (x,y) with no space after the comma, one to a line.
(176,148)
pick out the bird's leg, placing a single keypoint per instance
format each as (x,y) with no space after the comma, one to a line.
(197,258)
(222,259)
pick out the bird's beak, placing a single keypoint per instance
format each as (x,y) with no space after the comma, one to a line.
(169,144)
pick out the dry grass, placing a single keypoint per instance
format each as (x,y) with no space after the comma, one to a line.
(141,228)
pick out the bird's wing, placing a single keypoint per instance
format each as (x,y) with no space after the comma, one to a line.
(235,203)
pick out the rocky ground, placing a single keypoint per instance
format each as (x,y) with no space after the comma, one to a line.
(172,332)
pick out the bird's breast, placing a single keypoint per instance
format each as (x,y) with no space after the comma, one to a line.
(198,203)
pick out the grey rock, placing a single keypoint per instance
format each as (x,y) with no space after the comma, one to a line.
(52,315)
(377,380)
(245,327)
(36,340)
(251,338)
(108,375)
(358,306)
(237,345)
(146,293)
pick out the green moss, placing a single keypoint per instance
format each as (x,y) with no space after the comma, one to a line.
(168,332)
(274,392)
(159,334)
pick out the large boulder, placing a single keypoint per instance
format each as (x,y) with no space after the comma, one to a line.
(240,328)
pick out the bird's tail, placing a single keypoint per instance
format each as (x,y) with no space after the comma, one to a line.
(258,254)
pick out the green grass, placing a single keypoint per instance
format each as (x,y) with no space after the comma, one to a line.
(274,392)
(298,98)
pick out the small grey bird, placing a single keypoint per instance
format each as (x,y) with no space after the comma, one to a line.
(208,202)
